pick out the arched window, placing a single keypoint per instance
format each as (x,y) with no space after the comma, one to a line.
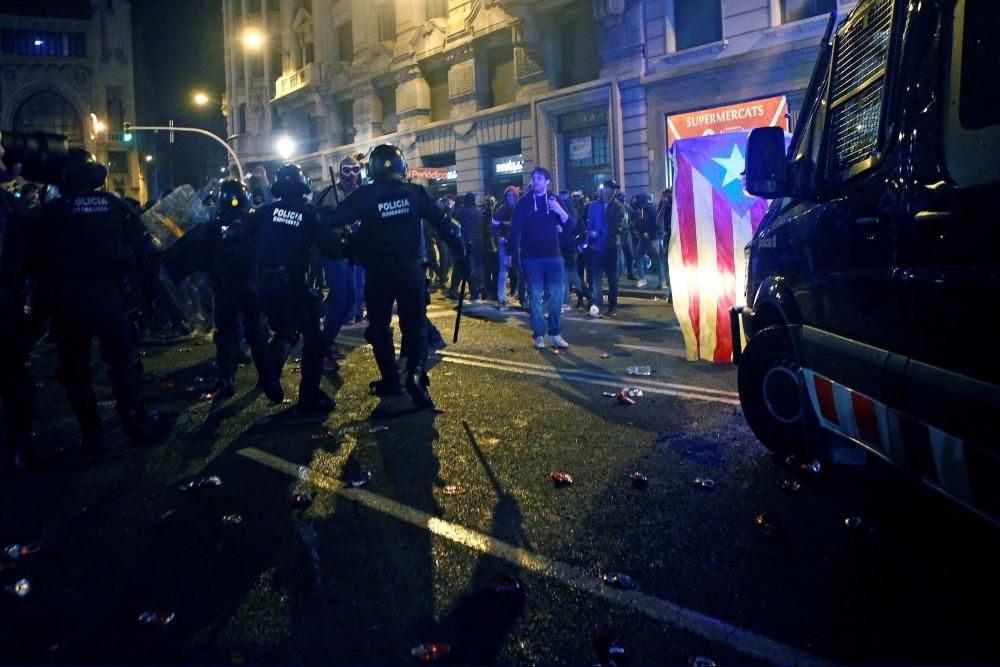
(49,112)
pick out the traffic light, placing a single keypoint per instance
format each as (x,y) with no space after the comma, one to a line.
(126,131)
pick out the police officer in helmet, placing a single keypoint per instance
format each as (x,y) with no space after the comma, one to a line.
(231,254)
(389,243)
(287,229)
(88,245)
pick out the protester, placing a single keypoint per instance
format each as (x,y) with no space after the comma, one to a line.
(500,231)
(605,225)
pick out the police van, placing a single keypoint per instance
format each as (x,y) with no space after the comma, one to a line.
(874,279)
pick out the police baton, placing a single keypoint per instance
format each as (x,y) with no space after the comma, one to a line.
(461,295)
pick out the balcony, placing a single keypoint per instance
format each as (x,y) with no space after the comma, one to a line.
(297,80)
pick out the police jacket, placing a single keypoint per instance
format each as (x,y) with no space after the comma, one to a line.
(87,237)
(391,229)
(285,232)
(231,247)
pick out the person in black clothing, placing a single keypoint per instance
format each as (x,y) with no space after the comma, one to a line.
(87,246)
(645,229)
(470,218)
(17,389)
(287,229)
(389,243)
(231,262)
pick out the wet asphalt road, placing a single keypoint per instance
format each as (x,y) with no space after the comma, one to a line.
(363,575)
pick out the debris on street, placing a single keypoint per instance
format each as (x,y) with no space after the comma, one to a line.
(561,479)
(302,500)
(609,649)
(703,483)
(638,370)
(453,490)
(430,652)
(15,551)
(360,480)
(790,486)
(232,520)
(639,480)
(157,618)
(701,661)
(214,480)
(618,580)
(21,588)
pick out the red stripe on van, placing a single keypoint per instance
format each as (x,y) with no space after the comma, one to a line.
(864,417)
(824,394)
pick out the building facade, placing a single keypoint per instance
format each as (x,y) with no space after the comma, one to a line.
(61,62)
(478,92)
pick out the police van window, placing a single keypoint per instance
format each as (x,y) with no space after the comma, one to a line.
(979,105)
(861,58)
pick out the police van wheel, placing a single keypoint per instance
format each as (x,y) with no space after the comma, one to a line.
(772,391)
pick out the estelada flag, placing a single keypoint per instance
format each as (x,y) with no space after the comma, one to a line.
(713,219)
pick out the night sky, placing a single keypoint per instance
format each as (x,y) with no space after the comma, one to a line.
(181,45)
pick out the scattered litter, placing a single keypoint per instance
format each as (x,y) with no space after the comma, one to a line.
(633,392)
(232,520)
(559,351)
(703,483)
(286,401)
(453,490)
(166,514)
(638,370)
(430,652)
(790,486)
(207,397)
(768,525)
(505,584)
(110,403)
(15,551)
(700,661)
(639,480)
(595,311)
(561,479)
(302,500)
(303,473)
(857,523)
(624,398)
(199,379)
(609,649)
(166,383)
(378,429)
(297,360)
(609,394)
(296,369)
(21,588)
(214,480)
(618,580)
(184,349)
(793,461)
(605,355)
(190,388)
(325,435)
(360,480)
(439,411)
(157,618)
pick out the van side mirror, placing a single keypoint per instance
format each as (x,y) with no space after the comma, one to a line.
(766,169)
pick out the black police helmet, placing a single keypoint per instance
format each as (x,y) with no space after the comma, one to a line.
(233,196)
(81,173)
(386,162)
(290,181)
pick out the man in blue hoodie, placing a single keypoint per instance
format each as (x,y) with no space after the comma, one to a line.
(536,225)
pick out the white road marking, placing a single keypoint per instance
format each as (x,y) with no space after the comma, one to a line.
(571,375)
(669,351)
(710,628)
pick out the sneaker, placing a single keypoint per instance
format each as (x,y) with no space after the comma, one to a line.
(566,308)
(641,283)
(611,312)
(558,341)
(473,302)
(330,364)
(539,342)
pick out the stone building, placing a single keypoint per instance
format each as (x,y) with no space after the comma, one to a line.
(62,61)
(477,92)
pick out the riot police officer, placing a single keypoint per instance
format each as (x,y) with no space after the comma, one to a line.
(88,244)
(389,243)
(287,229)
(231,260)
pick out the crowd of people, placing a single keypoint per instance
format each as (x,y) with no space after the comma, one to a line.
(79,264)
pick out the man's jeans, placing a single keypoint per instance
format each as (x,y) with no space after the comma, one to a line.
(604,263)
(340,299)
(650,248)
(545,275)
(502,271)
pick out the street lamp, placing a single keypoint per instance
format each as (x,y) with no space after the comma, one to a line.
(149,158)
(285,146)
(201,99)
(253,39)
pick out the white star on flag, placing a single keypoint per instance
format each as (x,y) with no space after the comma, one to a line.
(734,165)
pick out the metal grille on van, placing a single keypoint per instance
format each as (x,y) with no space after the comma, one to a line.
(862,53)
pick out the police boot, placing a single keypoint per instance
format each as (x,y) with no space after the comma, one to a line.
(272,389)
(225,387)
(416,384)
(316,401)
(386,387)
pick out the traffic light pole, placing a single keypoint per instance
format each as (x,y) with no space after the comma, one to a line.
(155,128)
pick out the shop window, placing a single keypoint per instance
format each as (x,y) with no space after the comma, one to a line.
(504,166)
(386,17)
(437,80)
(49,112)
(345,42)
(697,22)
(117,162)
(796,10)
(503,87)
(586,149)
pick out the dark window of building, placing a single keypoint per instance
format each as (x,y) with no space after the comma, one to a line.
(579,61)
(437,9)
(440,102)
(241,119)
(979,103)
(697,22)
(117,162)
(386,13)
(48,112)
(43,43)
(345,42)
(796,10)
(503,86)
(389,121)
(345,110)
